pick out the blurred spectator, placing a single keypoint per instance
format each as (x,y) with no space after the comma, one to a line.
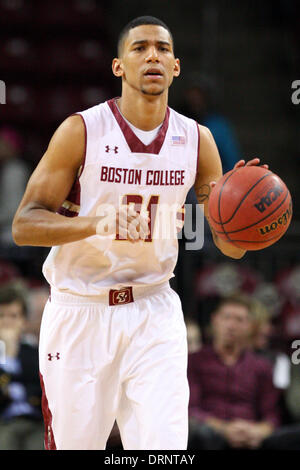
(222,279)
(198,105)
(8,272)
(261,328)
(288,284)
(233,403)
(286,377)
(194,337)
(14,174)
(292,395)
(21,426)
(261,342)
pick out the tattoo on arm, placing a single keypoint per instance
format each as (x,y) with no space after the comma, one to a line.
(202,193)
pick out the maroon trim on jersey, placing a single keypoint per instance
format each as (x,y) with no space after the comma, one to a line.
(66,212)
(198,149)
(132,140)
(74,195)
(85,144)
(49,441)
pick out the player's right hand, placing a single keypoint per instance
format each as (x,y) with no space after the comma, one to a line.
(126,223)
(133,225)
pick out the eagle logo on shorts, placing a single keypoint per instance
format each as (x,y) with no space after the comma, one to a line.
(122,296)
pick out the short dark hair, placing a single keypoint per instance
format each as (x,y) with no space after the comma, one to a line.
(141,20)
(235,299)
(14,292)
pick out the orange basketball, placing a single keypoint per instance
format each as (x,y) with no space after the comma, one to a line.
(250,207)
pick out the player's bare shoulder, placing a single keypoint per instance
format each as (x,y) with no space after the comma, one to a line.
(74,124)
(69,141)
(205,134)
(52,179)
(209,161)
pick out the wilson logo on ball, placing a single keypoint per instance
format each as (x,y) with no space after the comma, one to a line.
(250,207)
(269,198)
(283,219)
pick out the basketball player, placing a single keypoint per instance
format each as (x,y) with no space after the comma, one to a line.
(113,339)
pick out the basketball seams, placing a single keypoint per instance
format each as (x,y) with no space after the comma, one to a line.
(258,242)
(260,220)
(219,206)
(242,200)
(225,196)
(246,195)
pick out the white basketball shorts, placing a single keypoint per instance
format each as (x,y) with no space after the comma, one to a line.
(126,362)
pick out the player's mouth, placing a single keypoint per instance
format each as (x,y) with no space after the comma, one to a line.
(154,74)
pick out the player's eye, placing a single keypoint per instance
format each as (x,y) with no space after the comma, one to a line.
(139,48)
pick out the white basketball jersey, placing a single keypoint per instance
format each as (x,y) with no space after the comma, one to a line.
(118,167)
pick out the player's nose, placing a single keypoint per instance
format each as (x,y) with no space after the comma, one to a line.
(152,55)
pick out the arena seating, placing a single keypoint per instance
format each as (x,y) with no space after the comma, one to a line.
(55,60)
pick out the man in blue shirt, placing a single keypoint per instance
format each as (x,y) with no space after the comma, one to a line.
(20,394)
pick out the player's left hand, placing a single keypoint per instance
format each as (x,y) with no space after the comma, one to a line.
(228,248)
(254,162)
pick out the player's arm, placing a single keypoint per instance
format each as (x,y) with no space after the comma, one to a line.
(209,171)
(36,222)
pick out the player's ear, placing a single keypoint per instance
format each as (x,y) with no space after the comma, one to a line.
(117,67)
(177,68)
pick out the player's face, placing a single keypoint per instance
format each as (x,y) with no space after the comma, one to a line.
(231,324)
(147,62)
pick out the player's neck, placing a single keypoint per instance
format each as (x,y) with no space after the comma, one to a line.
(145,113)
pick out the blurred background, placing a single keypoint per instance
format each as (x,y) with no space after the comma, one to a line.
(239,62)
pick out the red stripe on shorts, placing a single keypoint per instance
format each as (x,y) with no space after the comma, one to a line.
(48,436)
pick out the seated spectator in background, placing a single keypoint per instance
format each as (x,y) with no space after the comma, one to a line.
(14,174)
(286,378)
(292,394)
(260,329)
(21,425)
(194,337)
(198,105)
(260,341)
(233,402)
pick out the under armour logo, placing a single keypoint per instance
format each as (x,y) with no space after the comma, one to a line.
(108,149)
(51,356)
